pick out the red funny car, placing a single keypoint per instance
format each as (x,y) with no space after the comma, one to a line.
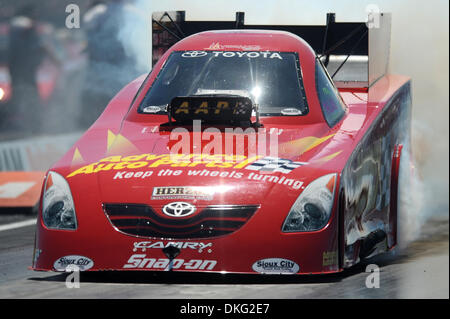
(237,153)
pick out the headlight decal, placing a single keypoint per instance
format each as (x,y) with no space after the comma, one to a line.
(312,209)
(58,210)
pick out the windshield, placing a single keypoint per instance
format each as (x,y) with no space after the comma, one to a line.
(271,79)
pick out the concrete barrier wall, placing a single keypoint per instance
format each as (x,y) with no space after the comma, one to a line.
(35,154)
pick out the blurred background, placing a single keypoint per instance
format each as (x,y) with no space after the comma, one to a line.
(55,80)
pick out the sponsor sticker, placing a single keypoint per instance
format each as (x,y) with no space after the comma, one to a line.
(231,109)
(139,261)
(183,192)
(231,54)
(119,163)
(291,111)
(219,46)
(152,109)
(83,263)
(253,54)
(275,266)
(273,164)
(329,258)
(195,165)
(199,246)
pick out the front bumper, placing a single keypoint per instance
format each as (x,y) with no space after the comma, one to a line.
(258,247)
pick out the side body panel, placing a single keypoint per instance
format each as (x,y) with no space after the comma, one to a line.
(366,181)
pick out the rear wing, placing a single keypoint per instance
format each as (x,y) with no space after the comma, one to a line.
(356,53)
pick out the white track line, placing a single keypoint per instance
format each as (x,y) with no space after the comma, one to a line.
(24,223)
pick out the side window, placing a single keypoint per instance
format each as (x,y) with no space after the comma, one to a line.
(333,107)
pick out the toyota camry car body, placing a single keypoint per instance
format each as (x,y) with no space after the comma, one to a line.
(154,185)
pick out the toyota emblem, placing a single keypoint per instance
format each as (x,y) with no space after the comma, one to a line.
(179,209)
(194,54)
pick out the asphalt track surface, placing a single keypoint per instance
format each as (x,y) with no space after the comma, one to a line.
(419,271)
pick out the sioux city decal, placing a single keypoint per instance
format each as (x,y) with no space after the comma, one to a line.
(83,263)
(275,266)
(140,261)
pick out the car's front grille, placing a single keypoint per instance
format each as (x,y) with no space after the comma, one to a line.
(211,221)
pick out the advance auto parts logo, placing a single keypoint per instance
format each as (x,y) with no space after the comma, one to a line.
(179,209)
(152,161)
(275,266)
